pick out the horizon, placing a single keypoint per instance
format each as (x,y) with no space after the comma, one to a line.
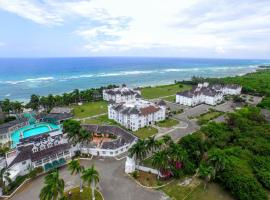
(98,28)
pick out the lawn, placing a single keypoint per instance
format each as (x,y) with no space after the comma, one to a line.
(145,132)
(148,179)
(163,90)
(90,109)
(167,123)
(194,192)
(102,120)
(170,98)
(206,117)
(85,195)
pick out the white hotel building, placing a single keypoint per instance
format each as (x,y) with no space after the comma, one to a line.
(121,94)
(137,113)
(208,94)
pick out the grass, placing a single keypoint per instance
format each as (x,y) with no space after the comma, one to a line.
(168,123)
(85,195)
(206,117)
(149,179)
(163,90)
(170,98)
(194,192)
(102,120)
(145,132)
(90,109)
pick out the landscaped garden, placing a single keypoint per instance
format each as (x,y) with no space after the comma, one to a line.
(145,132)
(102,120)
(195,191)
(170,98)
(75,194)
(163,90)
(148,179)
(167,123)
(206,117)
(90,109)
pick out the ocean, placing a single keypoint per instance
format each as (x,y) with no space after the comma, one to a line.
(21,77)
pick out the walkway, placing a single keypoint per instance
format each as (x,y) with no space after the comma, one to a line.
(114,183)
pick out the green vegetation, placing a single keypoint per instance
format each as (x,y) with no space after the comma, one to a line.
(265,103)
(163,90)
(167,123)
(145,132)
(170,98)
(90,109)
(148,179)
(195,192)
(206,117)
(102,120)
(75,194)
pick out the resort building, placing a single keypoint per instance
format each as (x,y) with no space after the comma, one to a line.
(7,129)
(108,141)
(44,150)
(208,94)
(137,113)
(121,94)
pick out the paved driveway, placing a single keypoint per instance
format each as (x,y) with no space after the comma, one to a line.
(114,183)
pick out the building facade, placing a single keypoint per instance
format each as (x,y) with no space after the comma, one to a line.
(208,94)
(137,113)
(122,94)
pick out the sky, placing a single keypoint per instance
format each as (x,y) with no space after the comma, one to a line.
(159,28)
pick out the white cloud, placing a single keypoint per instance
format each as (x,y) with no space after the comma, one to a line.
(125,25)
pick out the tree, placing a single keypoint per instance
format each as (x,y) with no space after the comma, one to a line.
(85,136)
(54,187)
(91,177)
(217,159)
(4,176)
(138,150)
(160,161)
(151,144)
(75,168)
(206,172)
(72,128)
(34,102)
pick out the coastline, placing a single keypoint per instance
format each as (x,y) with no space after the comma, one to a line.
(158,84)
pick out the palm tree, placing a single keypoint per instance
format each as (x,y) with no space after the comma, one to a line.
(91,177)
(138,150)
(167,140)
(150,144)
(207,173)
(54,187)
(4,176)
(75,168)
(160,161)
(85,136)
(72,128)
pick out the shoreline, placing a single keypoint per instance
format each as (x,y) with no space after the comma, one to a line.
(158,84)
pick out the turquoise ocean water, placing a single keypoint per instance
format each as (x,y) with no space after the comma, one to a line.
(19,78)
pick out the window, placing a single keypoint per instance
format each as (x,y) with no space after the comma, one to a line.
(66,152)
(24,162)
(111,152)
(39,162)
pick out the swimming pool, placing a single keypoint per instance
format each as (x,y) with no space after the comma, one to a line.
(32,130)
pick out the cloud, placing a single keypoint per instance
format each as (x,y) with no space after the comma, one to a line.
(214,26)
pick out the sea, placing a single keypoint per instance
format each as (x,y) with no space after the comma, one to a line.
(21,77)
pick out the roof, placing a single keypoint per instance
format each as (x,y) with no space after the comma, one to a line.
(121,91)
(61,110)
(161,103)
(25,153)
(4,127)
(56,116)
(149,110)
(123,136)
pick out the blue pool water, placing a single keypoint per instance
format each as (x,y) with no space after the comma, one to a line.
(32,130)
